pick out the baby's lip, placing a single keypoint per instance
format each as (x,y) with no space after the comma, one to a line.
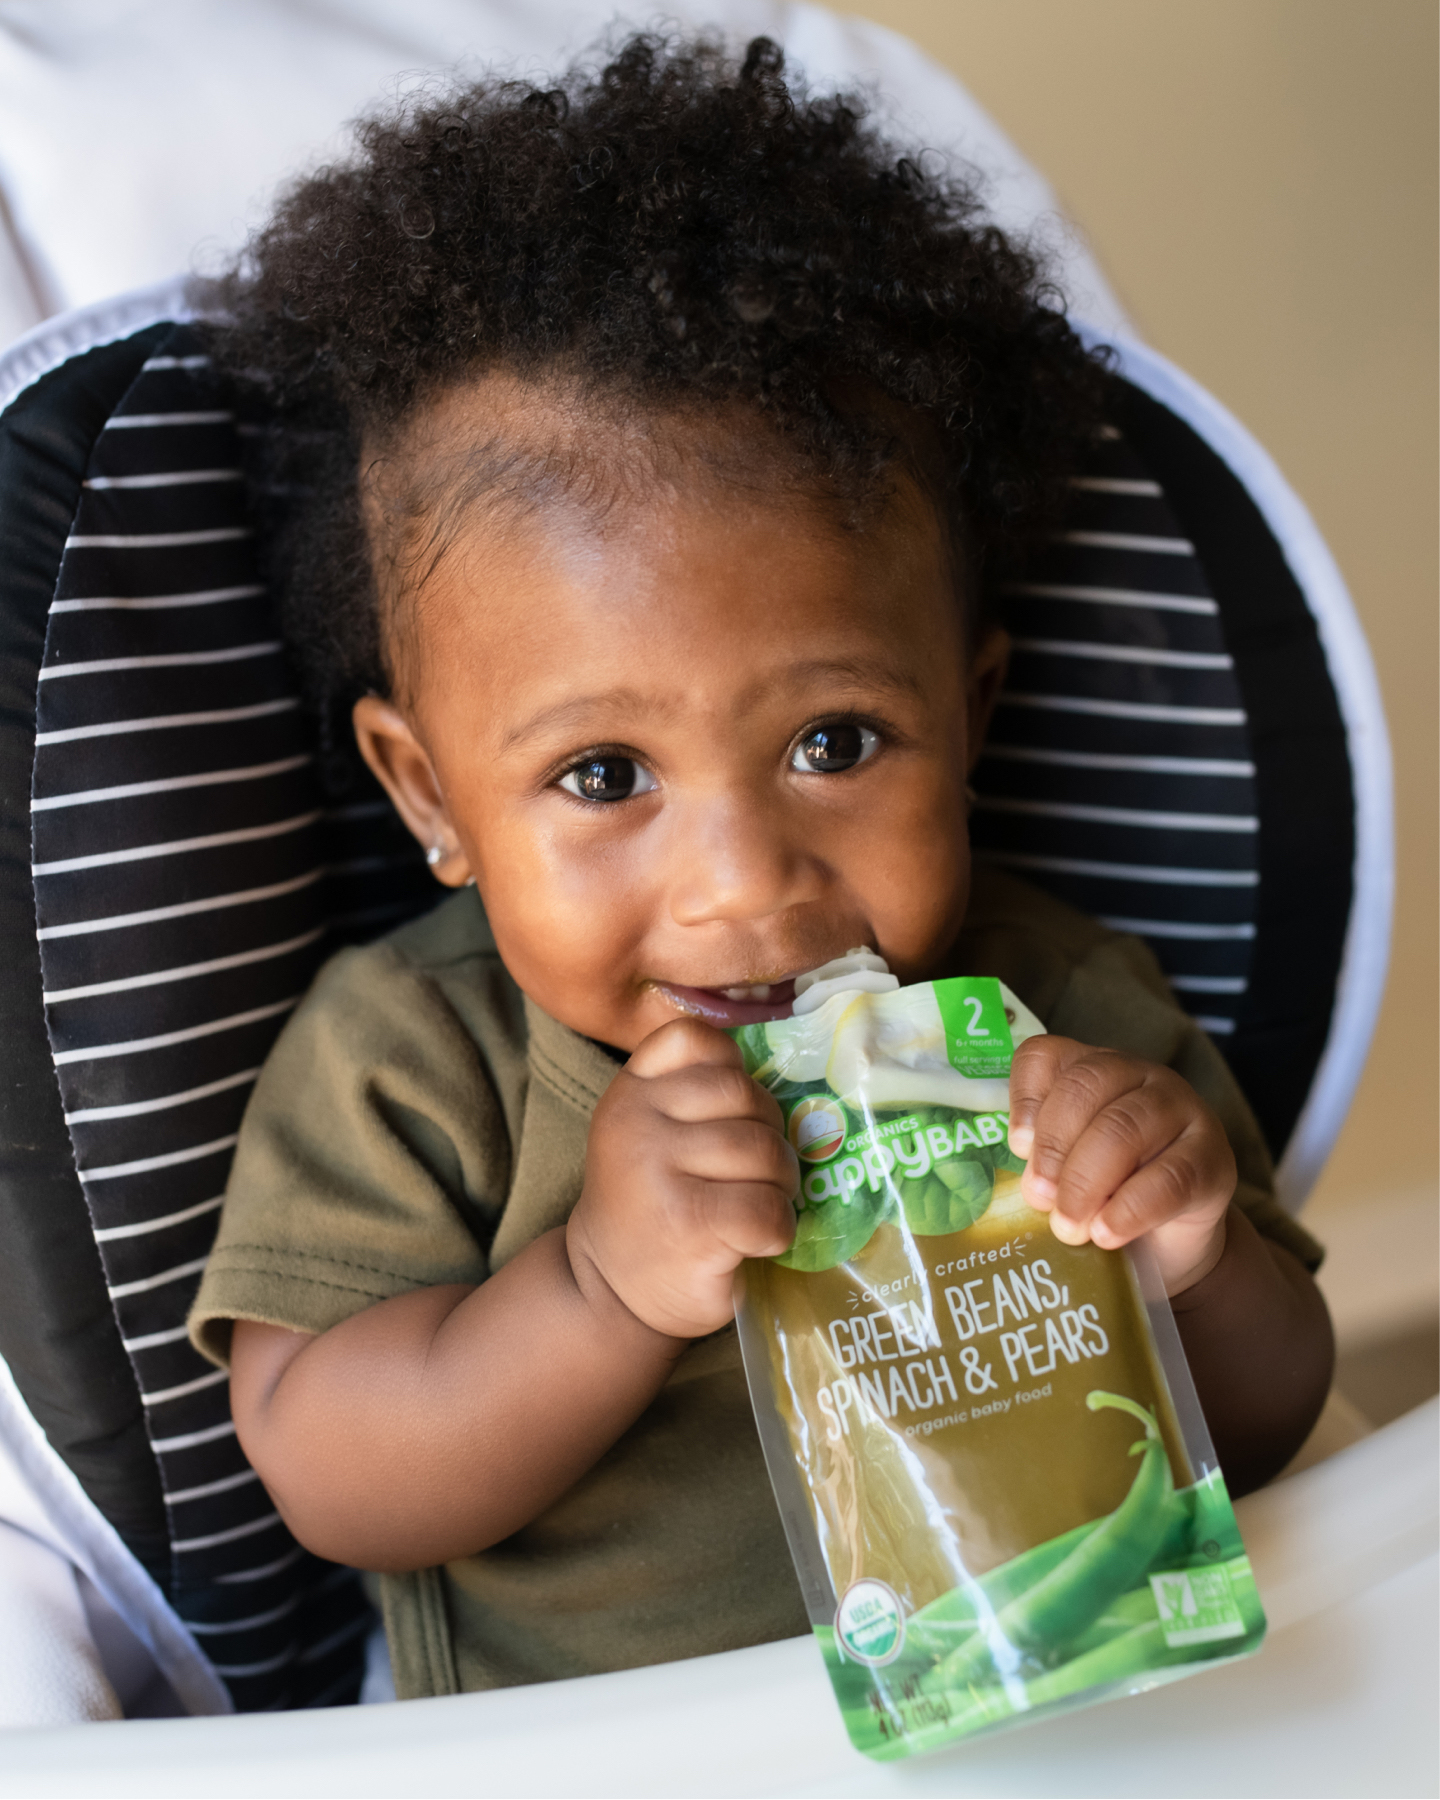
(747,1003)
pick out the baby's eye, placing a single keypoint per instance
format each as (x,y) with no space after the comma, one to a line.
(831,749)
(607,778)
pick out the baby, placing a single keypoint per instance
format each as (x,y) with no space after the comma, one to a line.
(649,449)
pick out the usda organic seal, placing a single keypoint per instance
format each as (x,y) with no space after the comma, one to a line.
(870,1622)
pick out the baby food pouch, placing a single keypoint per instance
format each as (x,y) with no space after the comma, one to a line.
(992,1469)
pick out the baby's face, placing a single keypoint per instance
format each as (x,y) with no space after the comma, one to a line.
(692,745)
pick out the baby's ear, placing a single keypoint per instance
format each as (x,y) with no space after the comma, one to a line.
(402,766)
(989,661)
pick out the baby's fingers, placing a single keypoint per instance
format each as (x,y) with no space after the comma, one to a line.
(1058,1090)
(747,1217)
(738,1150)
(700,1092)
(681,1044)
(1193,1178)
(742,1177)
(1038,1065)
(1139,1128)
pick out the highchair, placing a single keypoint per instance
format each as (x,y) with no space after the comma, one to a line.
(1190,747)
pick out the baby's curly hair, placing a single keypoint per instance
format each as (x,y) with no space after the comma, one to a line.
(677,229)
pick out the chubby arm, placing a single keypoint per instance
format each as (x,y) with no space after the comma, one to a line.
(437,1423)
(1119,1147)
(1258,1339)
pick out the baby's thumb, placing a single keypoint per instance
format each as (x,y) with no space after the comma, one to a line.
(1037,1063)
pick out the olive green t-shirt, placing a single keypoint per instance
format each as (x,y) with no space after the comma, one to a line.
(420,1121)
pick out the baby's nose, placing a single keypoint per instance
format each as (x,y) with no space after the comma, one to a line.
(734,860)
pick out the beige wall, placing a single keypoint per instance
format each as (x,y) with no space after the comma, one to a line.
(1258,179)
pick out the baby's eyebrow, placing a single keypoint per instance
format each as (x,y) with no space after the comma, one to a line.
(582,708)
(867,673)
(855,673)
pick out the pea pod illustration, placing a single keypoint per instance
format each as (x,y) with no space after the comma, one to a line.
(997,1587)
(1133,1652)
(1101,1568)
(1198,1515)
(1138,1607)
(950,1620)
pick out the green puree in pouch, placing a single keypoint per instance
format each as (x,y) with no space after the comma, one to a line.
(992,1469)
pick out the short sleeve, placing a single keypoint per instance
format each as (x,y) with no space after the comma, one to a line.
(374,1156)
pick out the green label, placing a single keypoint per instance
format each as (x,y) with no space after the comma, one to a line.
(1069,1619)
(1197,1606)
(977,1031)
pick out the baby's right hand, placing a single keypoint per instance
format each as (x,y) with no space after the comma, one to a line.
(687,1172)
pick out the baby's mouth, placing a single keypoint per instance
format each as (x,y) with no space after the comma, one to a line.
(747,1003)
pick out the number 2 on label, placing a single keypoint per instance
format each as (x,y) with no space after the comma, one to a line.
(976,1027)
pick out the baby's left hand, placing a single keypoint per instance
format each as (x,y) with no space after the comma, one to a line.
(1117,1147)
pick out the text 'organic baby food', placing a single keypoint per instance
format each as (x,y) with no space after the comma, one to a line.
(971,1427)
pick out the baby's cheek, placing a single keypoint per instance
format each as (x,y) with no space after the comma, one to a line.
(915,877)
(569,940)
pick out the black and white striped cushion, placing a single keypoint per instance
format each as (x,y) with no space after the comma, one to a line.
(1118,772)
(190,875)
(185,875)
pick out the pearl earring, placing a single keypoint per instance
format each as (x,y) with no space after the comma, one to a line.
(434,855)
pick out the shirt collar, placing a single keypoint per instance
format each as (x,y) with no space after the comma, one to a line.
(573,1067)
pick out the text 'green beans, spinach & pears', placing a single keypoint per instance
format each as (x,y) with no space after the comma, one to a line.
(992,1469)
